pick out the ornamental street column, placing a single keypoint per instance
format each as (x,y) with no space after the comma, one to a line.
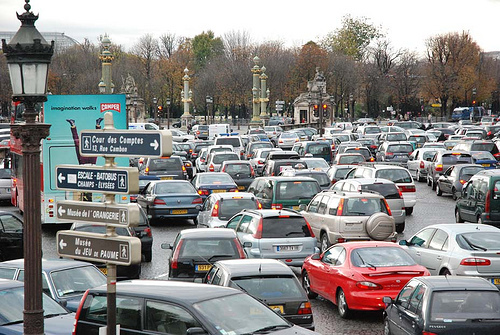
(187,95)
(256,70)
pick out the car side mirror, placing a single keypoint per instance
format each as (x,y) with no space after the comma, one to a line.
(195,331)
(247,244)
(403,242)
(302,207)
(387,300)
(167,246)
(315,257)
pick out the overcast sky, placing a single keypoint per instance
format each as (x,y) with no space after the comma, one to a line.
(407,24)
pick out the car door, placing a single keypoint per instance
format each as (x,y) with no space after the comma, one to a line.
(320,274)
(166,318)
(145,198)
(410,312)
(419,242)
(433,256)
(468,203)
(311,215)
(413,162)
(11,237)
(205,211)
(446,180)
(233,223)
(397,311)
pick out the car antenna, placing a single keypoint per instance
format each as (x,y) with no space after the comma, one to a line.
(260,267)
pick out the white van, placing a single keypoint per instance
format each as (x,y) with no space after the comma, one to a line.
(143,126)
(215,130)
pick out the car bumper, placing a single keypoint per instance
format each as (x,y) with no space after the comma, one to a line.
(305,321)
(160,213)
(398,215)
(410,199)
(369,300)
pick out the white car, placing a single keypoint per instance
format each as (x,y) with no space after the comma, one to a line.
(215,160)
(258,159)
(180,136)
(287,140)
(419,160)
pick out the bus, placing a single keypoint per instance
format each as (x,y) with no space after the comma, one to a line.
(67,115)
(464,113)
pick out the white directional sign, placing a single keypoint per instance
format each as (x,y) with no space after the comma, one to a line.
(92,247)
(126,214)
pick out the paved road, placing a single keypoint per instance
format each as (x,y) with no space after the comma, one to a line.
(430,209)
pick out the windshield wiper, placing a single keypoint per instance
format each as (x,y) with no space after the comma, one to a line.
(215,256)
(370,265)
(269,328)
(54,314)
(472,245)
(12,323)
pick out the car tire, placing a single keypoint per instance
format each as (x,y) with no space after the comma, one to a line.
(445,272)
(387,330)
(428,182)
(458,218)
(148,256)
(438,190)
(342,306)
(409,211)
(433,184)
(454,194)
(400,228)
(306,285)
(380,226)
(324,242)
(418,177)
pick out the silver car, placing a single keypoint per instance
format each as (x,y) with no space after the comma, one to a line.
(215,160)
(287,140)
(276,234)
(218,208)
(258,159)
(458,249)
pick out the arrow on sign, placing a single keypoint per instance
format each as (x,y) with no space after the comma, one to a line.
(61,211)
(61,178)
(62,244)
(154,144)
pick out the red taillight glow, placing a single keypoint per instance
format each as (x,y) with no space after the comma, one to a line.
(79,310)
(462,181)
(252,172)
(368,285)
(197,201)
(203,192)
(474,261)
(258,233)
(211,168)
(305,308)
(340,208)
(310,230)
(388,208)
(148,232)
(175,256)
(439,167)
(422,165)
(389,153)
(147,170)
(215,210)
(428,333)
(159,202)
(259,205)
(341,240)
(276,206)
(407,188)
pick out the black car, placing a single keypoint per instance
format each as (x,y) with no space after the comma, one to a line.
(57,319)
(11,236)
(241,172)
(207,183)
(444,305)
(166,168)
(195,250)
(165,307)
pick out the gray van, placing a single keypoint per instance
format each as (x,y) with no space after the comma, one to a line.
(167,168)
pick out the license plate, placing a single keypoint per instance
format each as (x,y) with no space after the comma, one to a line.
(241,187)
(179,211)
(218,191)
(496,281)
(277,308)
(295,208)
(104,270)
(486,165)
(203,268)
(166,178)
(287,248)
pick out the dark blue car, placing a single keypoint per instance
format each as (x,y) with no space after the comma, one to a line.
(485,159)
(207,183)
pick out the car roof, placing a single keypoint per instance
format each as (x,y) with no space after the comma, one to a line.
(233,161)
(459,228)
(367,244)
(352,194)
(457,283)
(8,283)
(47,264)
(230,195)
(254,267)
(208,233)
(273,212)
(175,291)
(369,181)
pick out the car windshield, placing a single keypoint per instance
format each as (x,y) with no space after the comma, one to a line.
(388,191)
(363,151)
(362,206)
(285,227)
(206,248)
(165,164)
(12,306)
(404,148)
(296,190)
(238,169)
(394,175)
(269,287)
(321,178)
(239,314)
(219,158)
(5,173)
(234,141)
(452,306)
(259,145)
(174,187)
(479,240)
(483,155)
(215,179)
(289,135)
(380,257)
(341,173)
(372,130)
(452,159)
(482,146)
(229,207)
(77,280)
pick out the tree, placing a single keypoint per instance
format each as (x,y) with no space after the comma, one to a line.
(205,47)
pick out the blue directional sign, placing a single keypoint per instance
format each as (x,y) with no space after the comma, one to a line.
(128,143)
(97,179)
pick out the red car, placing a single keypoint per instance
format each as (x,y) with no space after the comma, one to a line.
(357,275)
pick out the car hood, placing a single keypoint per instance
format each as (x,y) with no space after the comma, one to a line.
(56,325)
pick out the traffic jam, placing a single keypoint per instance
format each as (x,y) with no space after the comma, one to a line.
(280,216)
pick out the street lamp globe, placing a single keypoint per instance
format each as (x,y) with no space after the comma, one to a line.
(102,87)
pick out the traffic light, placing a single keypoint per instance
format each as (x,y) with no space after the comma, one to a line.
(316,110)
(160,110)
(325,110)
(473,102)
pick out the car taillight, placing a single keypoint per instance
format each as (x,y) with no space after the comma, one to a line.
(148,231)
(183,168)
(197,132)
(389,153)
(215,210)
(462,181)
(252,172)
(310,230)
(223,169)
(373,146)
(439,167)
(175,256)
(211,168)
(372,159)
(368,285)
(258,233)
(187,164)
(194,154)
(202,160)
(78,311)
(276,206)
(340,208)
(305,308)
(474,261)
(241,252)
(159,202)
(341,240)
(400,193)
(388,208)
(197,201)
(408,188)
(234,190)
(147,170)
(422,165)
(334,181)
(428,333)
(133,198)
(203,192)
(260,162)
(497,155)
(280,141)
(259,205)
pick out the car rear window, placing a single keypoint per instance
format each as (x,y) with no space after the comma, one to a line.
(351,159)
(219,158)
(229,207)
(319,149)
(285,227)
(479,241)
(235,142)
(405,148)
(341,173)
(363,206)
(396,137)
(165,164)
(380,257)
(468,172)
(168,188)
(428,154)
(215,179)
(269,287)
(394,175)
(388,191)
(206,248)
(238,168)
(204,128)
(321,178)
(462,305)
(296,190)
(418,139)
(452,159)
(259,145)
(372,130)
(482,146)
(363,151)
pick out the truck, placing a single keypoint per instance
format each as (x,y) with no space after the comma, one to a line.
(468,113)
(217,129)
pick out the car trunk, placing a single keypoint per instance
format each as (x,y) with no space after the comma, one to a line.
(493,256)
(178,201)
(391,278)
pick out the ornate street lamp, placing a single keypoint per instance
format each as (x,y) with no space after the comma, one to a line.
(28,58)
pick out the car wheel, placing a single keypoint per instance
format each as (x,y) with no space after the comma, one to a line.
(428,182)
(306,284)
(387,330)
(148,256)
(418,177)
(454,193)
(433,184)
(325,243)
(438,190)
(458,218)
(445,272)
(342,307)
(400,227)
(408,210)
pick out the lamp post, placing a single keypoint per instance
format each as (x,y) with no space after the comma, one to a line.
(321,85)
(256,70)
(208,100)
(155,110)
(186,99)
(28,58)
(264,95)
(106,85)
(168,113)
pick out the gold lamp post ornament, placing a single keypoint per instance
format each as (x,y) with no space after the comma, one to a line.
(264,95)
(106,85)
(187,95)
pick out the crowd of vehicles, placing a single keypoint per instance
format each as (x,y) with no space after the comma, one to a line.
(331,205)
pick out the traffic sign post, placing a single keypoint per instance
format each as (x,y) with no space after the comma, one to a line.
(106,142)
(104,213)
(80,178)
(117,250)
